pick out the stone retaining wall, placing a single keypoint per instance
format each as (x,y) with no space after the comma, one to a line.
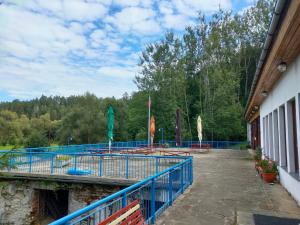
(19,204)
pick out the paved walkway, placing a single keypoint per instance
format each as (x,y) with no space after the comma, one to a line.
(226,186)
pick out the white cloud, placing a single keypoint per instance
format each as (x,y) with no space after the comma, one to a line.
(136,19)
(51,6)
(111,71)
(123,3)
(177,22)
(82,11)
(190,7)
(165,7)
(101,39)
(98,35)
(65,47)
(76,27)
(127,3)
(28,81)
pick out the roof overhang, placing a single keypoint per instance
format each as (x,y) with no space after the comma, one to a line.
(285,48)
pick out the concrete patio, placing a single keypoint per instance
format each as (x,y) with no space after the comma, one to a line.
(226,190)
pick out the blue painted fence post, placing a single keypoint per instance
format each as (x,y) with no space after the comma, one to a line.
(181,178)
(100,166)
(52,162)
(126,167)
(152,201)
(124,200)
(75,162)
(9,162)
(30,161)
(156,164)
(191,171)
(170,188)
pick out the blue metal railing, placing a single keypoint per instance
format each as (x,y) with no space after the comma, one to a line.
(154,193)
(163,179)
(98,165)
(100,147)
(213,144)
(119,146)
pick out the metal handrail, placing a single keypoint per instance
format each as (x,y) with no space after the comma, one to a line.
(116,146)
(94,205)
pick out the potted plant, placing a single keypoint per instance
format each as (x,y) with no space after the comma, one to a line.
(260,165)
(269,171)
(257,157)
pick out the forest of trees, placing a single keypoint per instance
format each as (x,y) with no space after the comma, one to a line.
(207,71)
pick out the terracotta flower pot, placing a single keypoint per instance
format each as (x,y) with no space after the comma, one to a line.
(269,177)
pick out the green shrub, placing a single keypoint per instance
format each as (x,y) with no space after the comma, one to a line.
(271,168)
(264,163)
(6,161)
(242,146)
(36,139)
(268,166)
(63,157)
(258,154)
(248,145)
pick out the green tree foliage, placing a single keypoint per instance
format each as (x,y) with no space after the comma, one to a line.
(137,116)
(36,139)
(71,120)
(207,71)
(10,131)
(84,123)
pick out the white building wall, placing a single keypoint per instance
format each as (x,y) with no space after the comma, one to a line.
(262,134)
(281,137)
(290,183)
(287,88)
(248,132)
(275,136)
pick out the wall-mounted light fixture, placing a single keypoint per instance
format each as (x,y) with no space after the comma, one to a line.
(264,93)
(282,67)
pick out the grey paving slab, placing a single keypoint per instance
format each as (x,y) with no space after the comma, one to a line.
(225,184)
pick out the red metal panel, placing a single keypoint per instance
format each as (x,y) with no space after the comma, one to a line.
(119,213)
(133,218)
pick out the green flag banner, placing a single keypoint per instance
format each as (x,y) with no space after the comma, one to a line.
(110,123)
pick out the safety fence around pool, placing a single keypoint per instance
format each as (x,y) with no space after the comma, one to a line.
(98,165)
(153,194)
(99,147)
(123,146)
(212,144)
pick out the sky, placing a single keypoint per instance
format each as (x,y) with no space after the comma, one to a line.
(69,47)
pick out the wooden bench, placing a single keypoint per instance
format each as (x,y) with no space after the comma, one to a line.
(129,215)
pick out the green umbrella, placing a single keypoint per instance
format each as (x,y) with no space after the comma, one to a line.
(110,125)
